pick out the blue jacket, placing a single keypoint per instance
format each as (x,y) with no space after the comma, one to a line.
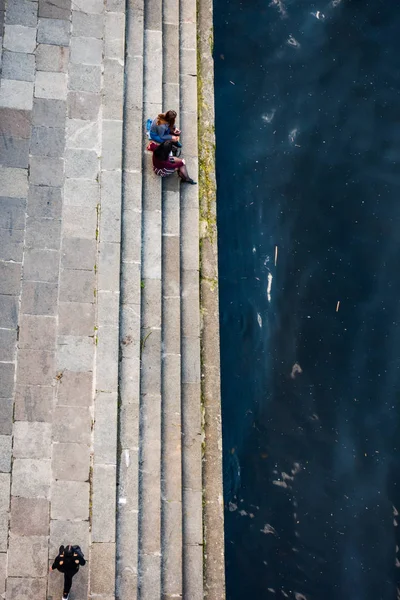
(162,131)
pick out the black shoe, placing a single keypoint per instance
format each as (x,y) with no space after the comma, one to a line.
(191,181)
(65,596)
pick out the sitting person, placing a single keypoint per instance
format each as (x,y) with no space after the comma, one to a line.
(163,128)
(164,164)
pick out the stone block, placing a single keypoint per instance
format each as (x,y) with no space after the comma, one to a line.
(111,190)
(55,9)
(171,213)
(12,213)
(72,425)
(6,416)
(82,134)
(188,35)
(151,362)
(27,556)
(32,440)
(193,559)
(113,89)
(3,573)
(14,152)
(107,360)
(41,265)
(43,233)
(130,331)
(71,462)
(70,500)
(39,298)
(10,277)
(33,403)
(115,5)
(171,98)
(129,426)
(47,141)
(92,7)
(86,50)
(8,311)
(151,268)
(13,182)
(172,553)
(81,164)
(132,191)
(189,62)
(87,25)
(75,353)
(75,389)
(171,62)
(193,516)
(190,243)
(109,266)
(112,145)
(35,367)
(114,35)
(151,304)
(171,266)
(22,12)
(103,503)
(76,532)
(76,319)
(31,478)
(52,58)
(190,303)
(77,286)
(19,38)
(44,202)
(53,31)
(131,234)
(108,308)
(5,492)
(29,516)
(150,575)
(188,91)
(154,16)
(105,428)
(130,283)
(130,380)
(102,574)
(133,130)
(52,86)
(5,453)
(19,66)
(49,113)
(47,171)
(11,245)
(21,588)
(172,325)
(190,360)
(79,253)
(85,78)
(80,222)
(78,192)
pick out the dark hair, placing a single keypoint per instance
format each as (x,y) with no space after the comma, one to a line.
(68,551)
(168,117)
(163,150)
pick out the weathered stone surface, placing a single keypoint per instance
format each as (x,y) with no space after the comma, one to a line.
(105,429)
(80,222)
(71,462)
(14,152)
(107,359)
(78,192)
(76,319)
(87,25)
(3,572)
(109,257)
(11,245)
(32,440)
(103,569)
(55,9)
(76,532)
(112,145)
(47,141)
(10,276)
(5,453)
(37,332)
(114,35)
(130,283)
(193,570)
(33,403)
(31,478)
(39,298)
(77,286)
(16,94)
(83,105)
(86,50)
(8,311)
(35,367)
(19,38)
(82,134)
(41,265)
(12,213)
(85,78)
(43,233)
(6,416)
(79,253)
(113,89)
(44,202)
(13,182)
(19,66)
(27,556)
(72,424)
(29,516)
(4,492)
(69,500)
(75,353)
(49,113)
(108,308)
(21,588)
(53,31)
(50,85)
(81,164)
(46,171)
(7,380)
(103,503)
(22,12)
(75,389)
(191,360)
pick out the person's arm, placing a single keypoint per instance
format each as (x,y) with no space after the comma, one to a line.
(56,563)
(177,162)
(162,133)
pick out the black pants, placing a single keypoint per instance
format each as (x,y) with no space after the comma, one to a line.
(68,575)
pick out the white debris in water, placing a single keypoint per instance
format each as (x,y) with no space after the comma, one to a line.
(232,507)
(259,319)
(299,596)
(293,42)
(280,483)
(318,15)
(335,3)
(296,369)
(292,135)
(254,249)
(280,6)
(395,511)
(296,469)
(271,590)
(286,477)
(268,117)
(268,529)
(242,513)
(269,287)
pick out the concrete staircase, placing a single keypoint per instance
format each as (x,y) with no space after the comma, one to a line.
(160,506)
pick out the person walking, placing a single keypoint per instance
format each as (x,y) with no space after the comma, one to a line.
(164,164)
(67,561)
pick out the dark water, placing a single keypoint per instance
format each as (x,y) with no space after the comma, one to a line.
(308,149)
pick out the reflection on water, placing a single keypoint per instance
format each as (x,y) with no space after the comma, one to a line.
(308,148)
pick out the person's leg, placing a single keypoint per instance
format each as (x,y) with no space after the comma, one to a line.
(184,175)
(68,575)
